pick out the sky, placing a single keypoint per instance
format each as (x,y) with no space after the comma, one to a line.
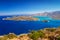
(17,7)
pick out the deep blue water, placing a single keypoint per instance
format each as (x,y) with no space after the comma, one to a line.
(19,27)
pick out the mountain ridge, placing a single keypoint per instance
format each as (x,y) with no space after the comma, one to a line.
(55,14)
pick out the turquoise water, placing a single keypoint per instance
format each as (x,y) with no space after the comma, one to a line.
(40,18)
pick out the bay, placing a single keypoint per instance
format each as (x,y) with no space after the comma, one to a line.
(19,27)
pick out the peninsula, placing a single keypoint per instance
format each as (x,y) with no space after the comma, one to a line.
(21,18)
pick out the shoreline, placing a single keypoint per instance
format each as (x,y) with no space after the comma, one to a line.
(44,33)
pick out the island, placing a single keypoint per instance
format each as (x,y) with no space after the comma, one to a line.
(45,21)
(42,34)
(21,18)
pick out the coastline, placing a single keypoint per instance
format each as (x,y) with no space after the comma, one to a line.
(44,33)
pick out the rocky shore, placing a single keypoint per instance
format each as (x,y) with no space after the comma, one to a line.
(44,34)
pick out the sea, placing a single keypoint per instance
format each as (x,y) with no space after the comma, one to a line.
(21,27)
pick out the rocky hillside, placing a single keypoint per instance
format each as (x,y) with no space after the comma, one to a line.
(55,15)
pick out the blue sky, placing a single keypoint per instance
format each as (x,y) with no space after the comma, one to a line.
(13,7)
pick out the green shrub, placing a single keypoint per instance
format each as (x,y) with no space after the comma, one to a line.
(36,34)
(11,35)
(58,38)
(41,34)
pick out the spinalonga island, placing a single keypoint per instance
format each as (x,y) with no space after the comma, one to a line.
(21,18)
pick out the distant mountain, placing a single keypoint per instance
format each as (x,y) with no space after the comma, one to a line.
(55,14)
(40,14)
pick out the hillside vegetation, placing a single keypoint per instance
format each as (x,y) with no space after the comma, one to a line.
(44,34)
